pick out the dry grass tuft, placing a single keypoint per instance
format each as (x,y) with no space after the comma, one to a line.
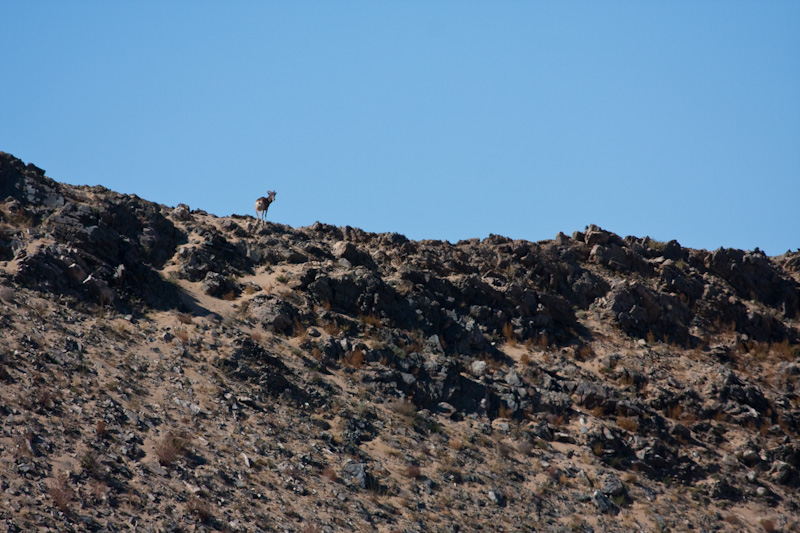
(785,351)
(628,423)
(768,525)
(229,296)
(355,359)
(413,472)
(299,331)
(504,412)
(504,450)
(182,335)
(330,474)
(584,353)
(403,407)
(542,341)
(525,447)
(45,398)
(199,507)
(674,412)
(372,320)
(184,318)
(509,335)
(331,328)
(171,446)
(60,492)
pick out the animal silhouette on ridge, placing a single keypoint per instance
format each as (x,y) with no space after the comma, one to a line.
(262,204)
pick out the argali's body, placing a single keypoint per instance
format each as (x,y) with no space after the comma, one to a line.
(262,204)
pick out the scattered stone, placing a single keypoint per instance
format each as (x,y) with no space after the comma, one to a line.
(497,497)
(501,425)
(612,485)
(603,504)
(478,368)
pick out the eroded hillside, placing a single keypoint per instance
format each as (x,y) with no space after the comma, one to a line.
(167,369)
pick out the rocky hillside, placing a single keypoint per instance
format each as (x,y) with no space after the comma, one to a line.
(164,369)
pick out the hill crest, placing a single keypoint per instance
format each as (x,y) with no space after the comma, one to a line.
(359,381)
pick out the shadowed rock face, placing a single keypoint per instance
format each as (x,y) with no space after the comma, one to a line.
(488,366)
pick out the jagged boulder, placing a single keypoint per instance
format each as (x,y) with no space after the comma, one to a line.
(753,276)
(618,258)
(217,285)
(639,311)
(215,254)
(675,281)
(28,185)
(274,313)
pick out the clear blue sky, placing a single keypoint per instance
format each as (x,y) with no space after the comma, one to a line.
(449,120)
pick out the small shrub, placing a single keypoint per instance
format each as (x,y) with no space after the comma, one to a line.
(620,501)
(525,447)
(413,472)
(229,296)
(553,473)
(504,412)
(282,279)
(785,350)
(182,335)
(60,492)
(373,320)
(504,450)
(627,379)
(403,408)
(184,318)
(628,423)
(674,412)
(45,398)
(542,341)
(299,331)
(330,474)
(23,444)
(768,525)
(199,507)
(732,519)
(509,335)
(355,358)
(331,328)
(585,352)
(630,478)
(90,464)
(257,336)
(170,447)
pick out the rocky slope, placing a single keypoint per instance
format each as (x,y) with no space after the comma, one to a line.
(164,369)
